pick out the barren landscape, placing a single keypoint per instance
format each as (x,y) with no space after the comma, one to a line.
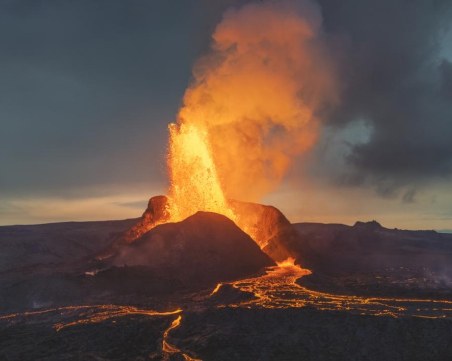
(202,289)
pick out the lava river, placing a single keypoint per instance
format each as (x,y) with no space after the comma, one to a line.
(278,289)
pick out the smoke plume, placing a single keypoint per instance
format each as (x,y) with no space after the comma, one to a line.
(258,93)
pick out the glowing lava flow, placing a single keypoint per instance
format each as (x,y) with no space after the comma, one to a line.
(87,314)
(169,349)
(90,314)
(278,289)
(104,312)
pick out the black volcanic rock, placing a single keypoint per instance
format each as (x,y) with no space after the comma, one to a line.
(369,259)
(372,225)
(155,213)
(294,334)
(204,248)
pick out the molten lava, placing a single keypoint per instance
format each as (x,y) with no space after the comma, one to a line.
(195,184)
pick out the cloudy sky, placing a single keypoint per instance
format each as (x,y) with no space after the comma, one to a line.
(87,89)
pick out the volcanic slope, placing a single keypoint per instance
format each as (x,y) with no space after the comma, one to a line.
(269,228)
(202,249)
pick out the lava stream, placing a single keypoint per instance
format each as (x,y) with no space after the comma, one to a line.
(169,349)
(278,289)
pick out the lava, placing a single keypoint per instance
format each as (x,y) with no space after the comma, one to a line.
(216,289)
(89,314)
(86,314)
(104,312)
(169,349)
(195,184)
(278,289)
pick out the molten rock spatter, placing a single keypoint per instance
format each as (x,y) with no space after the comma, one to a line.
(195,185)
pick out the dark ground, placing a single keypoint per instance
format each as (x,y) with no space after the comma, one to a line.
(43,266)
(236,334)
(122,338)
(304,334)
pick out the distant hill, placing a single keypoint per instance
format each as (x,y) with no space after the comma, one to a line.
(26,246)
(36,260)
(368,245)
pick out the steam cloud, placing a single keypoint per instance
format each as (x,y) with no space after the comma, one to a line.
(259,91)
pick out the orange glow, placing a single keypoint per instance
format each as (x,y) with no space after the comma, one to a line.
(166,347)
(289,262)
(194,180)
(278,289)
(216,289)
(252,108)
(169,349)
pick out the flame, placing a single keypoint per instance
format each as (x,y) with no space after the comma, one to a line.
(251,109)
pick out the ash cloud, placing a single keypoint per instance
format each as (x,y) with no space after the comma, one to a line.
(394,77)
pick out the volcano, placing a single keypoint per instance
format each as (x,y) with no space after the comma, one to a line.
(206,247)
(270,229)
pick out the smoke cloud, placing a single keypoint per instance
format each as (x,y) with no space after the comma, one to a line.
(259,93)
(395,77)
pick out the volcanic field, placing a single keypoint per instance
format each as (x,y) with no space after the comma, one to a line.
(203,289)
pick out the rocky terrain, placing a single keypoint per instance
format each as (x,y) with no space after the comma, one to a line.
(55,264)
(139,290)
(234,334)
(370,259)
(337,247)
(39,263)
(306,334)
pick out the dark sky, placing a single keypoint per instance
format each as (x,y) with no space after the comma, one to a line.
(87,89)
